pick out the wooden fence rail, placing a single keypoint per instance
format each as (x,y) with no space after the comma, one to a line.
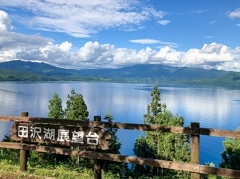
(129,126)
(194,130)
(195,168)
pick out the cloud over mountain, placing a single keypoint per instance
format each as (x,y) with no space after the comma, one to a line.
(15,45)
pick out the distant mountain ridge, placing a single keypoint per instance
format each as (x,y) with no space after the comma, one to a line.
(33,71)
(34,67)
(153,71)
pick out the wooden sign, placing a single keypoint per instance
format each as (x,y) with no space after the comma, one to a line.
(92,137)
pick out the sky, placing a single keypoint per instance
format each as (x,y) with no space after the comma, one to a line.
(80,34)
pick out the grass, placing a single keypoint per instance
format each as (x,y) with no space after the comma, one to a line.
(61,172)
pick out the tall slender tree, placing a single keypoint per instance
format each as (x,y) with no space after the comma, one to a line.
(56,112)
(118,169)
(55,107)
(166,146)
(76,107)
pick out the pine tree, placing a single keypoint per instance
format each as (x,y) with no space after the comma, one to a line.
(165,146)
(76,107)
(55,107)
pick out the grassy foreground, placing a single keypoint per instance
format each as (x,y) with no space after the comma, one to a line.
(13,172)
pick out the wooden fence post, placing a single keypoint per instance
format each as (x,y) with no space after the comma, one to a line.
(23,153)
(195,147)
(97,163)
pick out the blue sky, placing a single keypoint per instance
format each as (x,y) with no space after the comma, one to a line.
(116,33)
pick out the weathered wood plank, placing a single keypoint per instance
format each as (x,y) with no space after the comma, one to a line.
(195,149)
(23,153)
(104,156)
(14,118)
(49,134)
(97,162)
(220,171)
(220,133)
(129,126)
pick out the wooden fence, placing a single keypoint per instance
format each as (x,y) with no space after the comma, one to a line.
(194,131)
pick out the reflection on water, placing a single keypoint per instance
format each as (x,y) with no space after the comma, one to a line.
(212,107)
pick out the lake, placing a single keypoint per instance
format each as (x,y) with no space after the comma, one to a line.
(212,107)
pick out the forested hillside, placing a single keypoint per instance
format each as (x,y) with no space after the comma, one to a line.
(32,71)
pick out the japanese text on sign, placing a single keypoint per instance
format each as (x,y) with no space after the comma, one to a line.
(61,135)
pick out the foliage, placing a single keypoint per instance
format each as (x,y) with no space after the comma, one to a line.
(55,107)
(76,107)
(37,159)
(142,149)
(10,155)
(17,70)
(231,154)
(114,148)
(115,145)
(166,146)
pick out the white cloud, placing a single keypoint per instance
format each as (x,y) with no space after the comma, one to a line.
(229,66)
(65,46)
(7,55)
(5,22)
(145,41)
(164,22)
(12,40)
(235,13)
(107,56)
(214,48)
(83,18)
(167,55)
(212,22)
(95,52)
(210,53)
(151,11)
(154,41)
(123,56)
(95,55)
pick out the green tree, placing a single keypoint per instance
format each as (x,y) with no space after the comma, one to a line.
(118,169)
(41,159)
(142,149)
(165,146)
(115,144)
(231,154)
(55,107)
(76,107)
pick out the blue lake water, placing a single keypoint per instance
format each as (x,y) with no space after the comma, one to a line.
(212,107)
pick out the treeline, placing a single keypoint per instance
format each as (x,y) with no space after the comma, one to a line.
(164,146)
(13,75)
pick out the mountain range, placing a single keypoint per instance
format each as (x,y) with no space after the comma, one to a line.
(18,70)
